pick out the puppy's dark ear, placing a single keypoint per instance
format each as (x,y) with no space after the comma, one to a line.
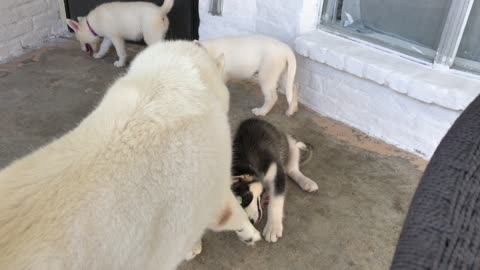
(235,186)
(246,200)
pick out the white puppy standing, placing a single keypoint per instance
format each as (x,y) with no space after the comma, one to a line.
(116,22)
(136,184)
(272,60)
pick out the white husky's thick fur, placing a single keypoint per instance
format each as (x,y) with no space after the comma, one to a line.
(271,59)
(120,21)
(135,185)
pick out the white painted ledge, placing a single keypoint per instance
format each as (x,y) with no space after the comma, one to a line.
(421,82)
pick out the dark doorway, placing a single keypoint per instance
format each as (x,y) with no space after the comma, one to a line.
(184,18)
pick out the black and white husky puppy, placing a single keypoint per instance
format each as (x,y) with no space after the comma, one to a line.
(263,156)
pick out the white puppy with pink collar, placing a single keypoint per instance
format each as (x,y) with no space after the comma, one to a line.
(116,22)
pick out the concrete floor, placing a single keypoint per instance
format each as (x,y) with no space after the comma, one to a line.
(352,223)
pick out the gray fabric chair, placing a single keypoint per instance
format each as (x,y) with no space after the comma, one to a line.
(442,228)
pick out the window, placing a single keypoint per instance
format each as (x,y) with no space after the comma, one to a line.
(468,56)
(429,31)
(216,7)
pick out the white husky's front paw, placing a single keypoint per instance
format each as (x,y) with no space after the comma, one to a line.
(119,63)
(249,235)
(97,55)
(309,185)
(273,231)
(259,111)
(197,249)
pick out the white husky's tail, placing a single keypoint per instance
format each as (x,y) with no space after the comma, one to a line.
(290,76)
(166,6)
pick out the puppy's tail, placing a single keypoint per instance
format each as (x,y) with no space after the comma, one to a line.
(306,152)
(166,6)
(290,76)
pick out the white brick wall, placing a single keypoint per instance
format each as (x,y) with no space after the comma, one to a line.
(27,23)
(280,19)
(373,108)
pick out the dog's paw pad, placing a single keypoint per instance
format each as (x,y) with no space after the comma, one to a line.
(273,231)
(119,63)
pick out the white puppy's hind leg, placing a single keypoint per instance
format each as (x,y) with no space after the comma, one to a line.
(234,218)
(293,106)
(119,44)
(270,95)
(268,76)
(104,47)
(293,169)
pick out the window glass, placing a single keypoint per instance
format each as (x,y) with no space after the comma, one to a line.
(413,27)
(468,54)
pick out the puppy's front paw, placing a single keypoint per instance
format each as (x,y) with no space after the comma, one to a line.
(259,111)
(97,55)
(197,249)
(249,235)
(309,185)
(273,231)
(119,63)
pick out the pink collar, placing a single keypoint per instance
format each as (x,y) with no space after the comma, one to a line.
(91,29)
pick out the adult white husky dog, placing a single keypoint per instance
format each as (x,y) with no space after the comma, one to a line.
(136,184)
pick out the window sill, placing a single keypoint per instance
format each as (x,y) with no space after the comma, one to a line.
(422,82)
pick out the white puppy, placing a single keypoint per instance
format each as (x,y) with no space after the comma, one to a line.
(271,59)
(120,21)
(136,184)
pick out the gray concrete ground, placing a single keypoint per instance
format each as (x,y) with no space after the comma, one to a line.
(352,222)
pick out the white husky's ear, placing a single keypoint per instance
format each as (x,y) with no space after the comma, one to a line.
(73,24)
(220,60)
(167,6)
(80,19)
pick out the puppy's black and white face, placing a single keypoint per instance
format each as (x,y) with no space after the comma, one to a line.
(249,193)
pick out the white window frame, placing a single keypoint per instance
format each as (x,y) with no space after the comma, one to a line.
(451,36)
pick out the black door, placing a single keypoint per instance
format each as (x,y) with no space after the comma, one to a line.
(184,19)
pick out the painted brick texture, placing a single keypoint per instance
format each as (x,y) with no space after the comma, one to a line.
(27,23)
